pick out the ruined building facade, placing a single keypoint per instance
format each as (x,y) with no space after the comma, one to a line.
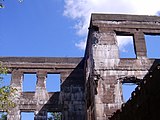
(91,87)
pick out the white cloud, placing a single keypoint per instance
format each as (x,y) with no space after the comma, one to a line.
(80,10)
(81,44)
(123,41)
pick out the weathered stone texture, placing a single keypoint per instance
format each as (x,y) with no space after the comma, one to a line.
(144,103)
(109,71)
(91,87)
(69,101)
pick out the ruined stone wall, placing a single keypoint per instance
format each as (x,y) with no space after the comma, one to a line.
(91,87)
(144,103)
(69,100)
(105,76)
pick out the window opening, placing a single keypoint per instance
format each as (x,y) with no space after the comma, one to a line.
(3,115)
(54,116)
(6,80)
(127,89)
(126,46)
(27,115)
(53,82)
(29,82)
(153,46)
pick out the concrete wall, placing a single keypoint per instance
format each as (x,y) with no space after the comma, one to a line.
(69,100)
(144,103)
(105,70)
(91,87)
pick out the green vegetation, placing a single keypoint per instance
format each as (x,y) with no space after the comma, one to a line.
(6,93)
(3,116)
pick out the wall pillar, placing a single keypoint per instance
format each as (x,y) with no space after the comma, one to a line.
(14,114)
(140,45)
(72,95)
(105,55)
(16,82)
(41,95)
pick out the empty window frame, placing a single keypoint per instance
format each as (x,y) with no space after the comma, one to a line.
(53,82)
(126,46)
(153,45)
(3,115)
(127,89)
(29,82)
(5,80)
(27,115)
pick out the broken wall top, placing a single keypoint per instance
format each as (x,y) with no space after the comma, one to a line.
(125,25)
(144,23)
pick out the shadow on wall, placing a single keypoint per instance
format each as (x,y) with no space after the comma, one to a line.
(144,103)
(70,100)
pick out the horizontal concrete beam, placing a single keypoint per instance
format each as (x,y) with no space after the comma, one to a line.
(42,59)
(42,63)
(124,17)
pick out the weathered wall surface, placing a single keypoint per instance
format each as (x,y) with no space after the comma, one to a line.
(105,70)
(91,87)
(144,103)
(69,100)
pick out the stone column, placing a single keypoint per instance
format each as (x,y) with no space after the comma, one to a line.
(105,50)
(140,45)
(16,82)
(14,114)
(41,95)
(105,58)
(72,96)
(63,94)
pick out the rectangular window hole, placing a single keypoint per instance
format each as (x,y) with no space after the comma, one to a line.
(126,46)
(53,82)
(54,116)
(27,115)
(29,82)
(153,46)
(3,115)
(6,80)
(127,89)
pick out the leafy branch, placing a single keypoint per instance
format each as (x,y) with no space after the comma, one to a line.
(7,93)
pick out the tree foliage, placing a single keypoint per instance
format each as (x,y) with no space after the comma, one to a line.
(3,116)
(7,93)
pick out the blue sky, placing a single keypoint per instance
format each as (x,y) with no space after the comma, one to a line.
(34,28)
(57,27)
(53,28)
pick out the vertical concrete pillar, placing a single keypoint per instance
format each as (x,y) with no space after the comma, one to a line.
(16,82)
(41,95)
(14,114)
(72,96)
(105,55)
(65,95)
(140,45)
(105,50)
